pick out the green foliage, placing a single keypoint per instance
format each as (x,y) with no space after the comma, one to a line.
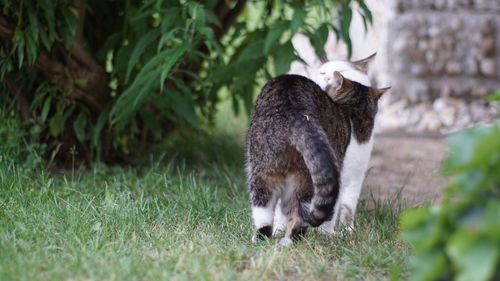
(166,62)
(16,144)
(460,238)
(36,29)
(495,96)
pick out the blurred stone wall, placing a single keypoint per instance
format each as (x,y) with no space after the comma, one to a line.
(441,48)
(441,57)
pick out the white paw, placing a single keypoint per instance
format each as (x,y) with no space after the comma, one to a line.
(350,228)
(346,225)
(347,228)
(327,227)
(254,238)
(286,241)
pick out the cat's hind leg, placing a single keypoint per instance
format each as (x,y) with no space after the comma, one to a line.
(283,210)
(296,228)
(297,189)
(280,219)
(264,195)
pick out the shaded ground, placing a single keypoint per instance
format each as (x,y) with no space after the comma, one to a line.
(409,164)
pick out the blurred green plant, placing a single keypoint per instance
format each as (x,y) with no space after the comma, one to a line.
(15,146)
(106,78)
(460,238)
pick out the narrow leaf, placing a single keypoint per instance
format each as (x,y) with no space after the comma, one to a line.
(97,128)
(45,109)
(366,12)
(79,126)
(139,48)
(283,58)
(299,16)
(273,35)
(184,107)
(345,23)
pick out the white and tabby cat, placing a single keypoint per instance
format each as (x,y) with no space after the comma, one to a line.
(358,151)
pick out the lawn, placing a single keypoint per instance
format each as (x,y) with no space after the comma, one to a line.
(180,215)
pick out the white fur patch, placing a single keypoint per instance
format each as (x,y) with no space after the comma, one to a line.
(356,160)
(324,75)
(353,174)
(263,216)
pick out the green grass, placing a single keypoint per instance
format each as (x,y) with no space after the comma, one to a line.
(181,215)
(169,223)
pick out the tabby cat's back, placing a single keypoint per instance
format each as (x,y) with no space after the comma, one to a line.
(289,156)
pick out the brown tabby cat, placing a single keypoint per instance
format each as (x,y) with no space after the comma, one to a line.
(296,144)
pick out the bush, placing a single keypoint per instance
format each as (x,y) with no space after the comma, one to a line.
(106,78)
(460,238)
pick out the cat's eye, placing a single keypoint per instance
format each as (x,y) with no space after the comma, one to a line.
(322,73)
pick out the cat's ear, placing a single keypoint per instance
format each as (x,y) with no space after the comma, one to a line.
(362,64)
(341,83)
(378,92)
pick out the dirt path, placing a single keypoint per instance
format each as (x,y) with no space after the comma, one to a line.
(407,163)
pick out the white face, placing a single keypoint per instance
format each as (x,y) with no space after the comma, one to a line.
(324,77)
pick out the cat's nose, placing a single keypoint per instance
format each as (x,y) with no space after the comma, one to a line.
(327,79)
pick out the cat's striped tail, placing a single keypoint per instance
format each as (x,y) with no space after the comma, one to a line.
(312,143)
